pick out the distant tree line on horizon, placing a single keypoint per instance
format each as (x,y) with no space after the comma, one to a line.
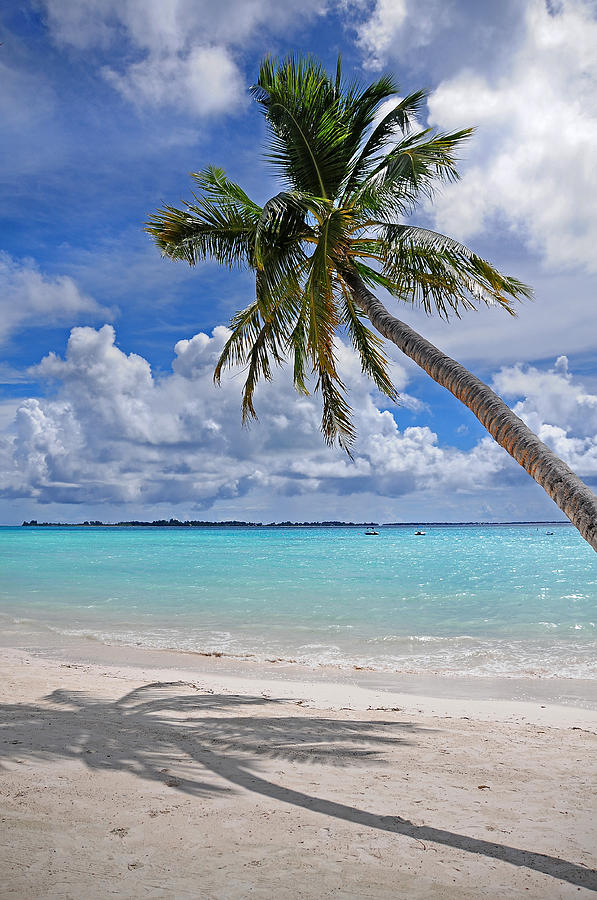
(191,523)
(234,523)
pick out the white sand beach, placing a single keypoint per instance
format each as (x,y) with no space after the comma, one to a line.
(157,781)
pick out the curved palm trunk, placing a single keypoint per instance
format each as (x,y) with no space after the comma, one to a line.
(573,497)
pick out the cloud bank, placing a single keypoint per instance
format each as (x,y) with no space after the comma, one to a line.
(116,433)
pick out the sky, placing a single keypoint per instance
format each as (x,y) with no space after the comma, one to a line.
(108,410)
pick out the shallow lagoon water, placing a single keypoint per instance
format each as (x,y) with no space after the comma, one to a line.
(476,601)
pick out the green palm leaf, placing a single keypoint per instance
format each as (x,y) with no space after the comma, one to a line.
(441,273)
(401,116)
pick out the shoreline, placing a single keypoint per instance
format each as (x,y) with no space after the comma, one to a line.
(145,778)
(537,688)
(541,701)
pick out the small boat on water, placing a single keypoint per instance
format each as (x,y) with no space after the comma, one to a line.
(371,531)
(420,532)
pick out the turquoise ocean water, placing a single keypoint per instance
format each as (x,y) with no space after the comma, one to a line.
(478,601)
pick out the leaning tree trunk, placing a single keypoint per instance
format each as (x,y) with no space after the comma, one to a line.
(573,497)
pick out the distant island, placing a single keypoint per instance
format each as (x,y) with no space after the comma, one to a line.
(234,523)
(194,523)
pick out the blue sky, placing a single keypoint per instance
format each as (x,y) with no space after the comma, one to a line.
(107,106)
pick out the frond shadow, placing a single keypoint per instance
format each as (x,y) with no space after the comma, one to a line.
(158,733)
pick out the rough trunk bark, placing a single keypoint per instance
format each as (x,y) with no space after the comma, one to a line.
(573,497)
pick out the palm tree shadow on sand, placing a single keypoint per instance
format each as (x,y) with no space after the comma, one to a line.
(156,725)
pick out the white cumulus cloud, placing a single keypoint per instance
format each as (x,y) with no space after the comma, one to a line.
(531,164)
(30,297)
(558,408)
(206,80)
(181,53)
(395,26)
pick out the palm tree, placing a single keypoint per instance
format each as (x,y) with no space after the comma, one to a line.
(331,236)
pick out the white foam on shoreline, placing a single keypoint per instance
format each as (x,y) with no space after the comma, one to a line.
(519,686)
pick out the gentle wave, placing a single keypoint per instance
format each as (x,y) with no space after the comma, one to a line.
(461,657)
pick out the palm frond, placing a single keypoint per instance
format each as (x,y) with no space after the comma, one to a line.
(220,224)
(245,326)
(259,366)
(442,274)
(213,182)
(410,171)
(401,116)
(374,278)
(254,343)
(298,346)
(283,222)
(309,127)
(323,318)
(359,108)
(369,346)
(336,420)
